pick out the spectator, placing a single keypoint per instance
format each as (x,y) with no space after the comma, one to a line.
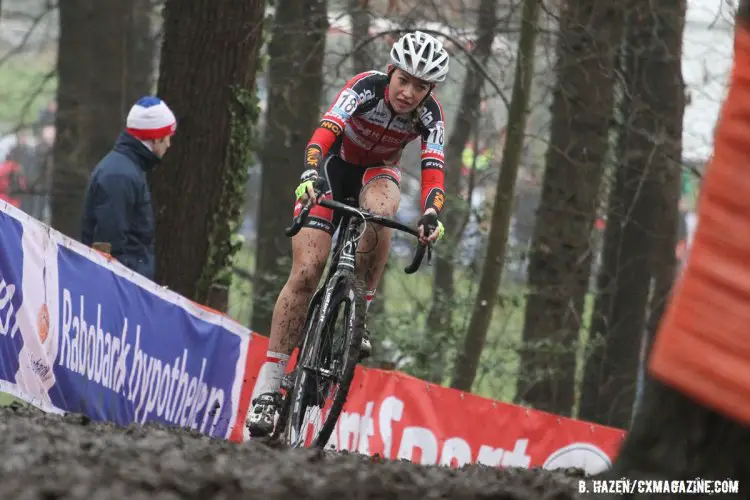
(23,154)
(117,209)
(12,181)
(40,174)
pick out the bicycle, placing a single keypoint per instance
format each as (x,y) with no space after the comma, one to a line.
(321,363)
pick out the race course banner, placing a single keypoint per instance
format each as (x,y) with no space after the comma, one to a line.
(81,333)
(396,416)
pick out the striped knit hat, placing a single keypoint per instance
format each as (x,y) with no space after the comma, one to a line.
(150,119)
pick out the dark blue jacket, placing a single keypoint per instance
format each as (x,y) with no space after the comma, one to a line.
(117,209)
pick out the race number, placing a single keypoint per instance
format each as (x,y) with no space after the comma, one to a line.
(347,103)
(437,135)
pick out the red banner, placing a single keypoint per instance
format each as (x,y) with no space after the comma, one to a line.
(400,417)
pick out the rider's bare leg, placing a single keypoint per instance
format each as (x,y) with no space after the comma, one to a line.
(382,197)
(310,248)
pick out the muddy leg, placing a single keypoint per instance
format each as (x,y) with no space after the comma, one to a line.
(310,249)
(382,197)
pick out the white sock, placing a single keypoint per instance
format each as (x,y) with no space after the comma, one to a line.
(270,374)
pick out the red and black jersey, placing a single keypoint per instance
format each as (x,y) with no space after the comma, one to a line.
(362,129)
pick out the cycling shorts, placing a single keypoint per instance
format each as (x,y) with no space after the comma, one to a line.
(346,182)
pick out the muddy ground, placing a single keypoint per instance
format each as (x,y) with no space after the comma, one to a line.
(51,457)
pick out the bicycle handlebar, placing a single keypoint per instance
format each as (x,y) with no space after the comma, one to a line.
(377,219)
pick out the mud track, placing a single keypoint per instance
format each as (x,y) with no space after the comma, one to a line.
(52,457)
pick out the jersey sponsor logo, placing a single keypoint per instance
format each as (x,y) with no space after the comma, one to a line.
(313,156)
(333,127)
(355,139)
(334,116)
(380,110)
(391,140)
(377,119)
(346,103)
(435,199)
(434,149)
(438,201)
(366,95)
(431,163)
(425,115)
(376,127)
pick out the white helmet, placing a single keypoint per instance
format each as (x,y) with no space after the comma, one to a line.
(422,56)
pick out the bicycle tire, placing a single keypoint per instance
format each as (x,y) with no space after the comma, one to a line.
(346,294)
(311,319)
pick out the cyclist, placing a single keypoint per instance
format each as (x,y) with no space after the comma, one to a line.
(353,157)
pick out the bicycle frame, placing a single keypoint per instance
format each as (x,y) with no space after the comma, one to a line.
(342,268)
(343,263)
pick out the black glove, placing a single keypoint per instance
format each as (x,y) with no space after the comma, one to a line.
(311,178)
(430,223)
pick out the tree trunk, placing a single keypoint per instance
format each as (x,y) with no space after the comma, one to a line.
(295,81)
(674,437)
(668,103)
(561,252)
(640,238)
(492,270)
(439,324)
(105,56)
(360,17)
(664,263)
(207,76)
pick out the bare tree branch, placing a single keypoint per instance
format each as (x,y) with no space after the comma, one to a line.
(36,21)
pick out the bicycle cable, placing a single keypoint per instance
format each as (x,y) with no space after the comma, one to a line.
(361,233)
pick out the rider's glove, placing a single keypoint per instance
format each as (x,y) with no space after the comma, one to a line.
(311,179)
(430,222)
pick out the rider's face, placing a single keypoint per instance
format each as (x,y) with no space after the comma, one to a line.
(406,92)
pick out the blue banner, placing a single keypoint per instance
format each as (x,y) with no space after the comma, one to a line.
(79,336)
(11,264)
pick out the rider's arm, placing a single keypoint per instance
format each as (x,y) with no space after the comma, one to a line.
(334,121)
(433,159)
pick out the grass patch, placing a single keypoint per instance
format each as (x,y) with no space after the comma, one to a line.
(23,89)
(7,399)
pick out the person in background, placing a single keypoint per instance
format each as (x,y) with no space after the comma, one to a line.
(12,181)
(117,207)
(24,155)
(39,174)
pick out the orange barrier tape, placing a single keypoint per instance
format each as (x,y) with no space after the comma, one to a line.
(703,345)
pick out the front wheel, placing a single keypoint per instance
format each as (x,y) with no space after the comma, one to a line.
(325,367)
